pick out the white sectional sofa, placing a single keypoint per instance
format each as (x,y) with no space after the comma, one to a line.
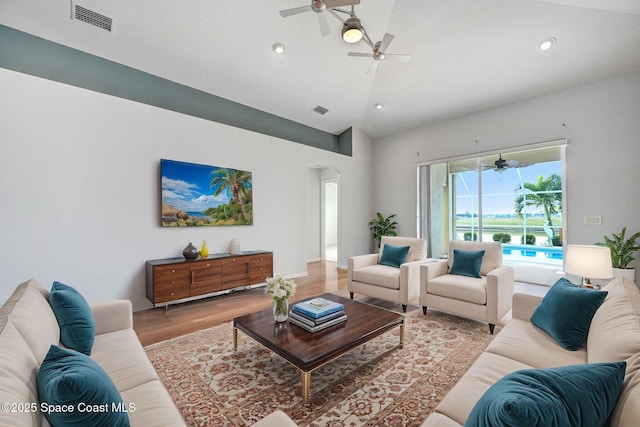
(28,328)
(614,335)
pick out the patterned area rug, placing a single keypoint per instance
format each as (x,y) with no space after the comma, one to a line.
(377,384)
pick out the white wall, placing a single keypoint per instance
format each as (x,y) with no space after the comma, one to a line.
(601,122)
(356,200)
(79,174)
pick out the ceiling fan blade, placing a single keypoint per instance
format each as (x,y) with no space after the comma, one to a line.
(339,3)
(360,54)
(324,24)
(397,57)
(517,164)
(296,10)
(386,41)
(373,67)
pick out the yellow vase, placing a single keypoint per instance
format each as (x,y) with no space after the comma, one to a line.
(204,250)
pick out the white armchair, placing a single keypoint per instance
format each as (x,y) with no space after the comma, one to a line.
(486,299)
(365,275)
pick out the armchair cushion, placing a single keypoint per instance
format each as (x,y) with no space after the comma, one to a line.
(467,263)
(380,275)
(459,288)
(566,311)
(394,256)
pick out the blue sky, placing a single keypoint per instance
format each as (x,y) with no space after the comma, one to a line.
(498,187)
(185,186)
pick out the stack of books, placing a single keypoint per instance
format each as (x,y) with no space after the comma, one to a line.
(316,314)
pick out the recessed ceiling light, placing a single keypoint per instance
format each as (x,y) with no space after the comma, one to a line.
(278,48)
(379,106)
(546,44)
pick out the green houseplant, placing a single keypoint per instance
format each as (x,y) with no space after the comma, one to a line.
(622,249)
(381,226)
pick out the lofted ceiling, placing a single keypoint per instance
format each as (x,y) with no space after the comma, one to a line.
(466,55)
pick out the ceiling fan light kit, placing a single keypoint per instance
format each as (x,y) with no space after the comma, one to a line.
(352,30)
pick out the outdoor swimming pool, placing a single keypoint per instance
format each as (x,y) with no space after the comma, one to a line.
(548,255)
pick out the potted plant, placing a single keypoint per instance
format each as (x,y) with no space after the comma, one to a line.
(382,226)
(622,251)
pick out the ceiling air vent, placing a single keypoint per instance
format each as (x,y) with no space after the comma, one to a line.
(93,18)
(320,110)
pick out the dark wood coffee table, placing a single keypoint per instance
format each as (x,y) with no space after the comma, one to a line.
(308,351)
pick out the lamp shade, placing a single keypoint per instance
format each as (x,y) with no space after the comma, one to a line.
(589,261)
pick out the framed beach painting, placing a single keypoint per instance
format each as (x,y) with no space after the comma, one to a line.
(201,195)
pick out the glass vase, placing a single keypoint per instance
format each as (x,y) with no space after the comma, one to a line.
(280,309)
(204,250)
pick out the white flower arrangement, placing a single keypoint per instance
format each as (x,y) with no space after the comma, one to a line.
(280,288)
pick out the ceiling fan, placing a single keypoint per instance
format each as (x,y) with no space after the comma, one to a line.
(502,164)
(379,52)
(319,7)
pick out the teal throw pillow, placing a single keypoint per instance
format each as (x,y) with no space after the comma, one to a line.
(577,395)
(566,311)
(75,391)
(467,263)
(75,318)
(394,256)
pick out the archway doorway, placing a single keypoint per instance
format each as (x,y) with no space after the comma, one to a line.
(329,219)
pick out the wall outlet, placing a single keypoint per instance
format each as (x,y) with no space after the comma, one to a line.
(593,220)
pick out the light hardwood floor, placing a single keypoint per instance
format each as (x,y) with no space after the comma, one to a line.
(154,325)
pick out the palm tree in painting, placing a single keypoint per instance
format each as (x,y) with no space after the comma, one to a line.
(546,193)
(237,182)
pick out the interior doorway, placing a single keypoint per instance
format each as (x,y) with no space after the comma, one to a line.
(329,207)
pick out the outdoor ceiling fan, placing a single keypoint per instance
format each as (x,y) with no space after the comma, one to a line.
(319,7)
(379,52)
(501,164)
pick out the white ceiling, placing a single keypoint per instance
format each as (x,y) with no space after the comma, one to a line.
(467,55)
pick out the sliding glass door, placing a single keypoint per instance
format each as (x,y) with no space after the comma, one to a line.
(514,198)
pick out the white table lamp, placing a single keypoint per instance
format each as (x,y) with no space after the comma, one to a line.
(588,261)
